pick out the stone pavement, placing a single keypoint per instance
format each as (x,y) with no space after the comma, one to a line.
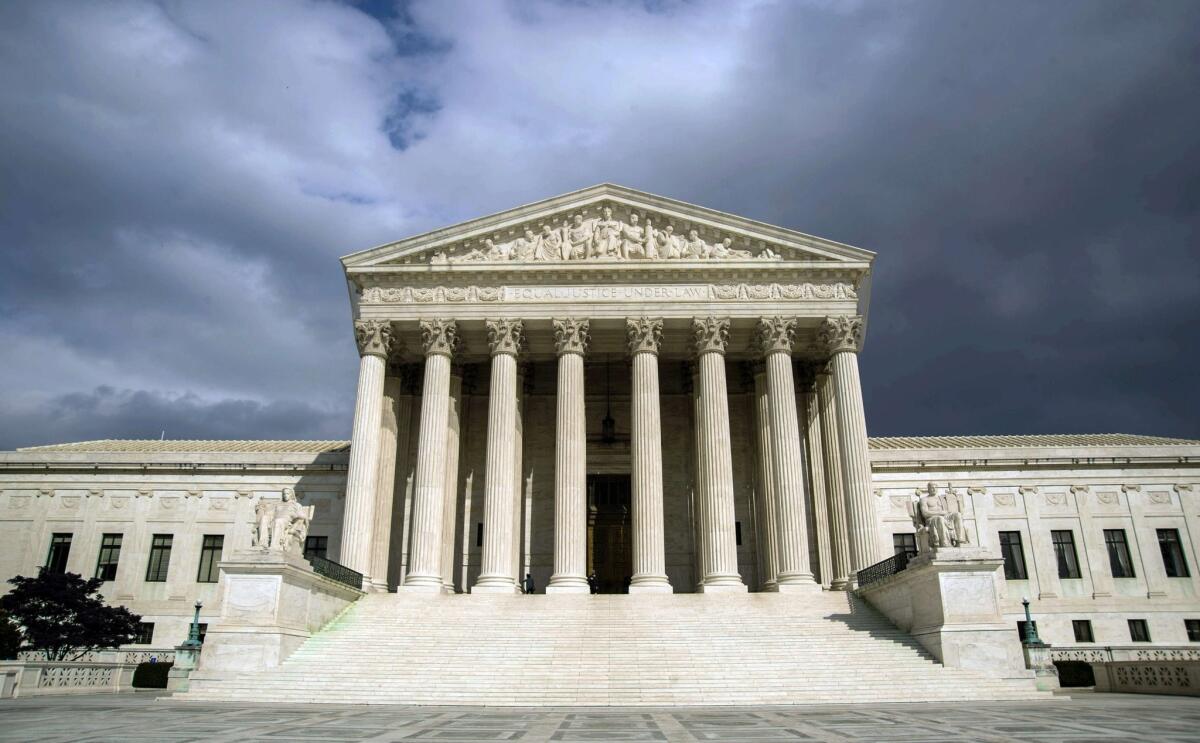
(129,718)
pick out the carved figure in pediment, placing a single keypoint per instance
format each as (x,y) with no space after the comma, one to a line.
(938,519)
(525,248)
(496,252)
(668,244)
(633,239)
(723,249)
(606,242)
(695,248)
(551,244)
(579,239)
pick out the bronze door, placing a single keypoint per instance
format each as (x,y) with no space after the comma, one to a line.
(610,552)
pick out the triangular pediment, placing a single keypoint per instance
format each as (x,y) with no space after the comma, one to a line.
(607,224)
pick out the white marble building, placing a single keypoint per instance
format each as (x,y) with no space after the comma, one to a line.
(614,387)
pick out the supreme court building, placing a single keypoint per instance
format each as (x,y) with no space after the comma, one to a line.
(611,392)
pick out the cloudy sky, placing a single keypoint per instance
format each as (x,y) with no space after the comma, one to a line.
(177,180)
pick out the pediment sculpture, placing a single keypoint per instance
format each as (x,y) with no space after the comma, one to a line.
(605,238)
(282,526)
(938,519)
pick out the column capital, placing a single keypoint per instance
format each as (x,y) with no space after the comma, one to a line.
(375,338)
(840,333)
(571,336)
(439,337)
(775,335)
(505,336)
(643,334)
(710,335)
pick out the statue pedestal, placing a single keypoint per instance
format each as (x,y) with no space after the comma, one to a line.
(1038,660)
(948,599)
(186,658)
(272,601)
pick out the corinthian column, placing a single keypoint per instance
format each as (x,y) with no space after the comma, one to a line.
(393,427)
(775,337)
(718,531)
(764,503)
(375,341)
(450,496)
(570,464)
(835,489)
(500,487)
(842,337)
(440,338)
(649,555)
(809,412)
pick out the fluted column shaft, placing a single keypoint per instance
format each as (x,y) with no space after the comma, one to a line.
(389,441)
(718,535)
(450,494)
(425,557)
(649,552)
(787,462)
(815,457)
(502,480)
(570,463)
(842,337)
(765,502)
(362,476)
(835,498)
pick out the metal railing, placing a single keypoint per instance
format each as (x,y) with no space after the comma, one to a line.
(884,568)
(334,571)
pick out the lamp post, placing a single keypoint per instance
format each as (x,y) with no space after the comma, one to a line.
(1031,635)
(193,640)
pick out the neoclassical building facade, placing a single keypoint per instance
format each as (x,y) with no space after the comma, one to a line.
(614,392)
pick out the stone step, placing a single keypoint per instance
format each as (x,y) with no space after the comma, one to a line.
(611,650)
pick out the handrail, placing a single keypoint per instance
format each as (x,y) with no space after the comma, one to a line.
(335,571)
(885,568)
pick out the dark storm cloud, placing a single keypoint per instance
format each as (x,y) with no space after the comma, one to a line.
(179,179)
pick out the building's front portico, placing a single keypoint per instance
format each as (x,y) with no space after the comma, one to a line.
(609,332)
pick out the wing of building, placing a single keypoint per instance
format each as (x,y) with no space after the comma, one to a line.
(614,392)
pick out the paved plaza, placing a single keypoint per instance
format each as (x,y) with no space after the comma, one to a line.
(129,718)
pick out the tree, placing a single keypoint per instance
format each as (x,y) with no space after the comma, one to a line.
(63,615)
(10,638)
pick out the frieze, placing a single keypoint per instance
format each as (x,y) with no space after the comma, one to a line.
(806,291)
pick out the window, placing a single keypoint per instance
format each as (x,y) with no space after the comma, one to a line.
(904,543)
(1014,556)
(1193,629)
(210,555)
(1118,553)
(203,630)
(1021,628)
(110,553)
(1172,553)
(145,635)
(1138,631)
(1083,630)
(316,546)
(60,548)
(160,558)
(1064,552)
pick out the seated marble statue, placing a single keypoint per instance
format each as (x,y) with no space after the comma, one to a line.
(281,526)
(938,519)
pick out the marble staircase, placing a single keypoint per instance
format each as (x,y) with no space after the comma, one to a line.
(647,649)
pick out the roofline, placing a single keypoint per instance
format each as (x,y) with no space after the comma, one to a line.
(603,189)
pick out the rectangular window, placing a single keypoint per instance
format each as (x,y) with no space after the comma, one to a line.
(1193,629)
(110,553)
(1083,630)
(1014,556)
(1064,553)
(60,549)
(1138,631)
(1172,553)
(210,555)
(1118,553)
(316,546)
(160,558)
(904,543)
(145,634)
(202,628)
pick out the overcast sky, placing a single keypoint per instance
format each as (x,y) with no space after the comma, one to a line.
(178,179)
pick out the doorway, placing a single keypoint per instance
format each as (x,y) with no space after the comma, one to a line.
(610,552)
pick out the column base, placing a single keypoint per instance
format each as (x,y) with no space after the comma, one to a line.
(370,585)
(568,584)
(421,584)
(495,588)
(723,588)
(650,584)
(840,585)
(798,587)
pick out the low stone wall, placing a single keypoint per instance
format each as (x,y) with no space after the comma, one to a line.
(24,678)
(1149,677)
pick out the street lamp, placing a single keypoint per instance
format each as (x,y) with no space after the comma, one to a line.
(1031,635)
(193,640)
